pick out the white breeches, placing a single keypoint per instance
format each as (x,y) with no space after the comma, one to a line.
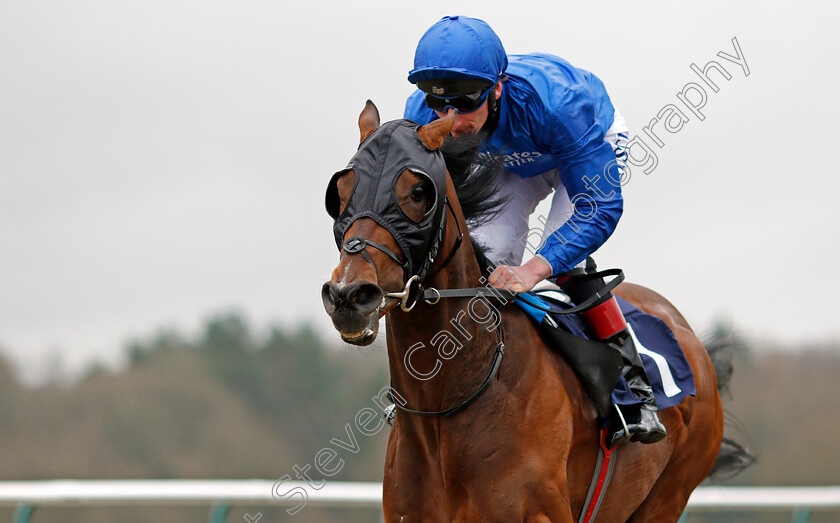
(506,235)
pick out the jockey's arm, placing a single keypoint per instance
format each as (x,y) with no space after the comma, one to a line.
(590,173)
(592,180)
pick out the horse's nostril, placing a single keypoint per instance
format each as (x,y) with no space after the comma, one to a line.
(365,296)
(330,295)
(361,297)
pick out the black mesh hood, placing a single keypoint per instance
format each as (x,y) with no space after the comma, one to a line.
(381,158)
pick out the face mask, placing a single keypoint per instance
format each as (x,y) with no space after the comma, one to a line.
(381,159)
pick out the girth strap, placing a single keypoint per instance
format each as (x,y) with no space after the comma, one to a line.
(604,468)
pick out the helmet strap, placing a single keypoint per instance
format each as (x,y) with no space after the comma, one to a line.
(493,111)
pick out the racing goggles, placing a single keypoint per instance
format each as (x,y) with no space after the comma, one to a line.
(463,103)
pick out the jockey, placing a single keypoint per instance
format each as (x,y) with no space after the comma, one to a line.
(557,131)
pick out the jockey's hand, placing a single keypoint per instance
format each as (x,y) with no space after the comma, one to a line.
(522,278)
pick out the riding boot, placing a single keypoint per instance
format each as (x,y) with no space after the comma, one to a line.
(605,320)
(635,422)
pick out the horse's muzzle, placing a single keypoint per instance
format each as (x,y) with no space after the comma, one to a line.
(353,309)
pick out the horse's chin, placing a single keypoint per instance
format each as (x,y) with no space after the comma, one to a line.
(366,336)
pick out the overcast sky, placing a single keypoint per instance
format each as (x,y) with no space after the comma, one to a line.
(162,161)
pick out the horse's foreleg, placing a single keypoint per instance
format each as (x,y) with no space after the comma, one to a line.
(552,504)
(665,503)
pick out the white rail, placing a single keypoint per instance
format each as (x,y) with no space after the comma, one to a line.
(335,493)
(182,492)
(765,498)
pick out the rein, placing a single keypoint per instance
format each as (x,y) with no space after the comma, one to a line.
(494,368)
(432,296)
(414,292)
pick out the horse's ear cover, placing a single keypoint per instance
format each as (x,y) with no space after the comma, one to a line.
(382,157)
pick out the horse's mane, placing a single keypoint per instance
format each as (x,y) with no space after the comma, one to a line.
(476,180)
(475,177)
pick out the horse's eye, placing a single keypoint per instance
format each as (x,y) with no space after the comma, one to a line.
(418,193)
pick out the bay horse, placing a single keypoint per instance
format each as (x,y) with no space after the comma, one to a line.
(526,447)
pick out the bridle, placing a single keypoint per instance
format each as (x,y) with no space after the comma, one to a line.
(413,292)
(378,205)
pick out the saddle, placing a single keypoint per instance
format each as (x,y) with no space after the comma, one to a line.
(598,364)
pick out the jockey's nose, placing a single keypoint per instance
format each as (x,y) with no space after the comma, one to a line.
(360,297)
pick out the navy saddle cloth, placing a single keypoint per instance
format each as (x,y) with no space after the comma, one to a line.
(665,363)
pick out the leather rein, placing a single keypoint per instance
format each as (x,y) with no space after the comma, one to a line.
(414,292)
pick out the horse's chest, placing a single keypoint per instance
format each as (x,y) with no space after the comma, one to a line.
(483,478)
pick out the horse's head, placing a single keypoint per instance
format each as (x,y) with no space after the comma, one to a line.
(389,206)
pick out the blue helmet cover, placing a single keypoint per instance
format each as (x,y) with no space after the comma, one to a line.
(459,47)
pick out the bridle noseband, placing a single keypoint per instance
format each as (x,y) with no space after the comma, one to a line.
(413,290)
(357,245)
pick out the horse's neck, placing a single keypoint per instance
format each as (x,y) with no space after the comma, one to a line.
(424,370)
